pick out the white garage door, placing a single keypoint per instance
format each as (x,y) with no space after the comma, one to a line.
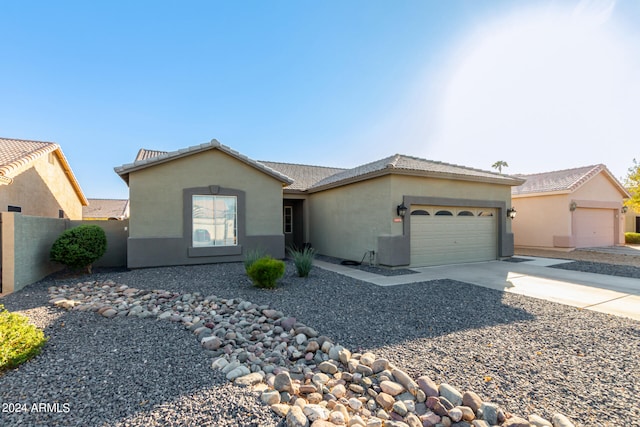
(593,227)
(447,235)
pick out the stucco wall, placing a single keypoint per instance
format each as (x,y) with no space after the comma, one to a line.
(156,199)
(446,188)
(345,222)
(348,221)
(541,218)
(27,240)
(598,188)
(631,221)
(42,190)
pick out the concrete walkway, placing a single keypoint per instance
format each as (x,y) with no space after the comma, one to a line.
(619,296)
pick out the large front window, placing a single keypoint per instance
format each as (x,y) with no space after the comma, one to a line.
(215,220)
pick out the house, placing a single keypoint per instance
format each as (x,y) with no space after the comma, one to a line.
(209,203)
(572,208)
(106,209)
(632,221)
(36,179)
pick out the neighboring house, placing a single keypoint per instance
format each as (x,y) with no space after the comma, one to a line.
(632,221)
(106,209)
(209,203)
(572,208)
(36,179)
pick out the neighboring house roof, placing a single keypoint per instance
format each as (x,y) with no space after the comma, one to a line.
(564,181)
(106,208)
(16,154)
(408,165)
(148,159)
(304,176)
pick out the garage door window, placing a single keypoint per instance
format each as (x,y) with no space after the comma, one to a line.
(444,213)
(420,212)
(484,213)
(465,213)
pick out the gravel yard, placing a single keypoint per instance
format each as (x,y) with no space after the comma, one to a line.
(525,354)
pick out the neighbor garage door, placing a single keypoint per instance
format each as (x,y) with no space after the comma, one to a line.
(448,235)
(593,227)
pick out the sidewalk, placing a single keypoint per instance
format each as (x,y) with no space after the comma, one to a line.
(619,296)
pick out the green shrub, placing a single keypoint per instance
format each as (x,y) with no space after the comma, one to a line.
(79,247)
(19,340)
(632,238)
(252,256)
(265,271)
(303,260)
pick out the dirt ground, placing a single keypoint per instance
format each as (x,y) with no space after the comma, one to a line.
(584,255)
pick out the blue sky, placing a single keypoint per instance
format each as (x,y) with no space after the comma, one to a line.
(543,85)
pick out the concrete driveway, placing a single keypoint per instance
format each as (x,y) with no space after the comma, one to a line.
(619,296)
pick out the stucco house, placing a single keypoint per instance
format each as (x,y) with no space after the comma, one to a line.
(209,203)
(632,221)
(106,209)
(572,208)
(36,179)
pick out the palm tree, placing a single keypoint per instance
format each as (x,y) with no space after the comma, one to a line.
(499,165)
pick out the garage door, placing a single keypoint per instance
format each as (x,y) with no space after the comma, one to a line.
(593,227)
(447,235)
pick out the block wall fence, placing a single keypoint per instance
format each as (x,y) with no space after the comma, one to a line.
(25,242)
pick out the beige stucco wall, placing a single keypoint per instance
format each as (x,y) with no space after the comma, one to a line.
(156,197)
(630,221)
(598,188)
(541,218)
(446,188)
(42,189)
(345,222)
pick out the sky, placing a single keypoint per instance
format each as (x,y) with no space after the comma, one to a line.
(541,84)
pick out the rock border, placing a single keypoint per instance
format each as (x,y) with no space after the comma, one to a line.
(304,377)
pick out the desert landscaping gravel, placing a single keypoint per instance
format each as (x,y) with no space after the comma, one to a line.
(526,355)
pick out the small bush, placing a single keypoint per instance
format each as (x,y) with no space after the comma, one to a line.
(79,247)
(252,256)
(303,260)
(19,340)
(265,271)
(632,238)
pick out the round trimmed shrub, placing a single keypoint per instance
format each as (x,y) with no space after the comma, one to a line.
(265,272)
(79,247)
(19,340)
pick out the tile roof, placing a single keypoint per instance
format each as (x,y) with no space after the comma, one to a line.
(567,180)
(15,154)
(316,178)
(106,208)
(410,165)
(145,154)
(152,158)
(304,176)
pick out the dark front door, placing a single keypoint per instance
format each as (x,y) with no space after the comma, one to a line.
(638,224)
(292,223)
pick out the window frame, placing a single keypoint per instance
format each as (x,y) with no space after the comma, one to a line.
(287,225)
(188,229)
(210,230)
